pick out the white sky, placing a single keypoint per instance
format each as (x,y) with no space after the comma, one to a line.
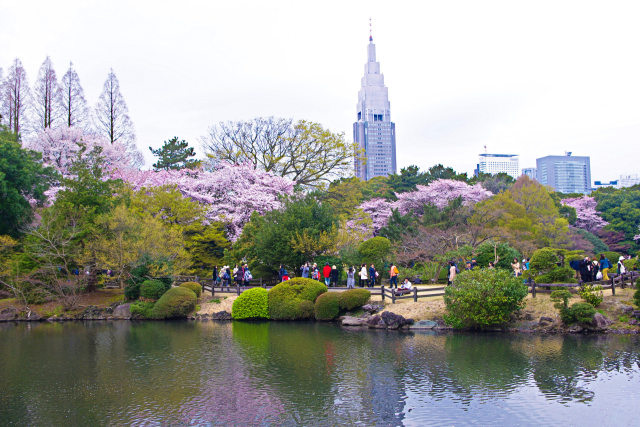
(525,77)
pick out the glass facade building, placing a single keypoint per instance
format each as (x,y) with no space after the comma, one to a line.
(566,174)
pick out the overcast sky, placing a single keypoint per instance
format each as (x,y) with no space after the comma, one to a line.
(531,78)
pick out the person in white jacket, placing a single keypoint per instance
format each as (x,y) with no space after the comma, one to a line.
(363,276)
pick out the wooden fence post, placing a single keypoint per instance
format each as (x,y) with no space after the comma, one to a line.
(415,294)
(393,296)
(382,292)
(238,288)
(613,286)
(533,287)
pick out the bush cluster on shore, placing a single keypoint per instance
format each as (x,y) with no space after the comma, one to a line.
(297,299)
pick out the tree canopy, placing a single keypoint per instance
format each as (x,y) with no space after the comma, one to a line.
(175,154)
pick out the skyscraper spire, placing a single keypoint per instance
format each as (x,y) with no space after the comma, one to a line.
(374,131)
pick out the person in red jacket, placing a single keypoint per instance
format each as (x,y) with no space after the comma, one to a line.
(326,273)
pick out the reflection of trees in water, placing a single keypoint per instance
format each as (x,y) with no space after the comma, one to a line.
(323,374)
(558,374)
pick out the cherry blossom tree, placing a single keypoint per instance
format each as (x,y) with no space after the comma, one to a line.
(587,217)
(231,193)
(60,147)
(47,96)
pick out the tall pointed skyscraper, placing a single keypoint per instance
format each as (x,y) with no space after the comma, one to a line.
(374,131)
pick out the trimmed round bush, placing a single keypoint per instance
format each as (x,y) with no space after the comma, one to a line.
(579,312)
(327,306)
(152,289)
(483,297)
(294,299)
(195,287)
(176,302)
(353,298)
(251,304)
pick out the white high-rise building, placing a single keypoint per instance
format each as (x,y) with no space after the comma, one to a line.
(374,132)
(499,163)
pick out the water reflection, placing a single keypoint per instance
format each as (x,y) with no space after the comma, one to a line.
(306,373)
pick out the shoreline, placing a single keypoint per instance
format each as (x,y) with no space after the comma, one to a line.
(616,315)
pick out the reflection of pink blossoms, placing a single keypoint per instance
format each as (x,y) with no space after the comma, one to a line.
(438,193)
(587,217)
(230,193)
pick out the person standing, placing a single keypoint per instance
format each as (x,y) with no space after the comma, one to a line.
(351,278)
(585,270)
(305,270)
(451,272)
(335,274)
(393,276)
(326,273)
(239,276)
(605,265)
(515,265)
(215,275)
(372,276)
(315,273)
(281,273)
(363,275)
(621,267)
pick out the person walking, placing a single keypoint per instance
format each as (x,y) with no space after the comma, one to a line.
(605,265)
(393,276)
(363,275)
(335,274)
(351,278)
(515,265)
(238,276)
(326,273)
(372,276)
(451,273)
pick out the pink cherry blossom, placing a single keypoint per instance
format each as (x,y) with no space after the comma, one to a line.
(587,216)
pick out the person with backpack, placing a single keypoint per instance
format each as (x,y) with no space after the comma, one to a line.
(226,276)
(393,276)
(326,273)
(372,276)
(351,278)
(315,273)
(239,276)
(363,275)
(621,267)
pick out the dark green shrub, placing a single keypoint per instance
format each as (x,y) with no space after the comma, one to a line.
(141,309)
(251,304)
(557,275)
(579,312)
(286,300)
(132,291)
(327,306)
(560,298)
(636,296)
(486,253)
(176,302)
(592,294)
(483,297)
(195,287)
(353,298)
(152,289)
(36,296)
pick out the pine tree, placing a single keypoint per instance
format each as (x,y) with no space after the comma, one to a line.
(175,154)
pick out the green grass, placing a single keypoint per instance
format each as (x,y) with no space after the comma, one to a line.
(215,301)
(623,319)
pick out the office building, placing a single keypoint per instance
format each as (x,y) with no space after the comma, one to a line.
(374,132)
(565,174)
(530,172)
(499,163)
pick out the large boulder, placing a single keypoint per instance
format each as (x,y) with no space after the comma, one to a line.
(123,311)
(221,315)
(424,324)
(372,308)
(8,313)
(353,321)
(395,321)
(600,321)
(376,322)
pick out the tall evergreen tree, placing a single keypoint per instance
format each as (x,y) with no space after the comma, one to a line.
(175,154)
(47,99)
(112,114)
(15,97)
(74,105)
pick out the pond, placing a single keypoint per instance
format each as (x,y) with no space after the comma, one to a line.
(160,373)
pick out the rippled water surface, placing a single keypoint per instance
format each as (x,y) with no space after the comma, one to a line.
(176,373)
